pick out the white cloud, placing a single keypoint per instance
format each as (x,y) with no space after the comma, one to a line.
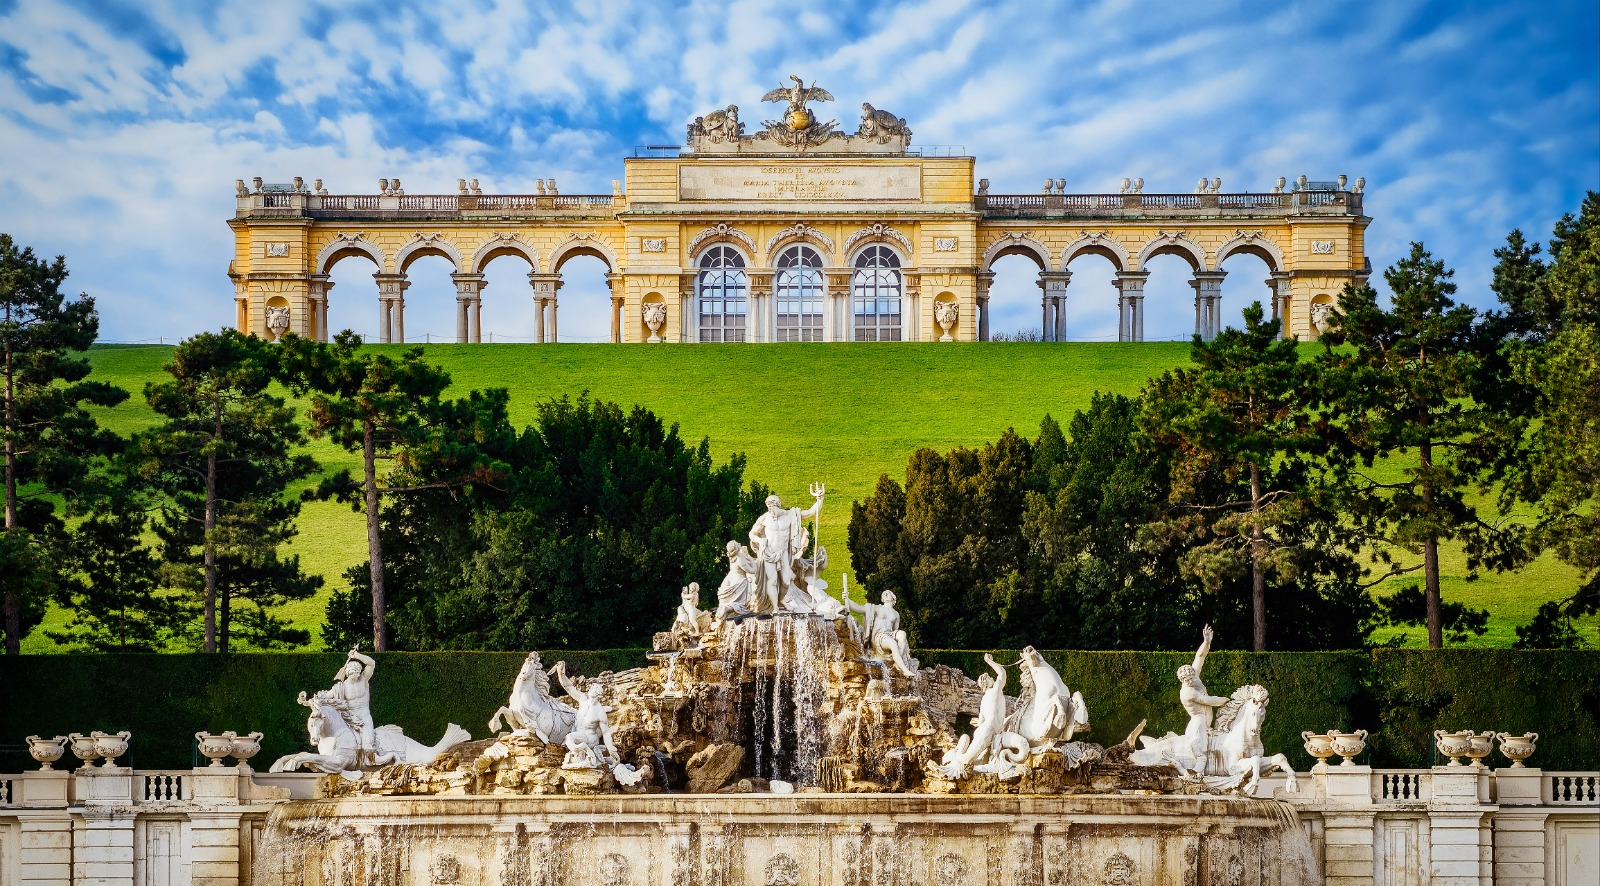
(1465,125)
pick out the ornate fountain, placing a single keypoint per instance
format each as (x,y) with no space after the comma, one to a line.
(776,739)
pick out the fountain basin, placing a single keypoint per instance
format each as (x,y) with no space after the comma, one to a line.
(793,840)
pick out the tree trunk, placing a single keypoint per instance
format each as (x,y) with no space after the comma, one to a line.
(210,554)
(224,622)
(374,547)
(209,543)
(11,607)
(1258,579)
(1430,557)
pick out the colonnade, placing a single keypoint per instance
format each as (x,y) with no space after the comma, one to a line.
(1130,285)
(469,306)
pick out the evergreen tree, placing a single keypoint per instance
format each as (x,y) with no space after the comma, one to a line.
(387,410)
(1555,374)
(1396,386)
(49,436)
(115,596)
(1238,419)
(595,520)
(220,465)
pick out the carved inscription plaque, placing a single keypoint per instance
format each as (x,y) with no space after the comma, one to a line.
(799,181)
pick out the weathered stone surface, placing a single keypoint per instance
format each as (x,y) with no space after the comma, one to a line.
(713,768)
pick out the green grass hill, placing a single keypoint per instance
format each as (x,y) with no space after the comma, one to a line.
(841,414)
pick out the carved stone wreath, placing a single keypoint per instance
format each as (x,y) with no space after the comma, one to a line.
(722,231)
(800,229)
(881,232)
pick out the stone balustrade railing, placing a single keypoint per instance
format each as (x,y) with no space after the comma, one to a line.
(1138,205)
(426,206)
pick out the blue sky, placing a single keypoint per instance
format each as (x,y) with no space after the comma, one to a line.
(123,124)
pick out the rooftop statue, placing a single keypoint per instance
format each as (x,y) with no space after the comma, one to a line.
(799,128)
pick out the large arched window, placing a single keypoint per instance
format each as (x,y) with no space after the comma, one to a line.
(723,291)
(877,287)
(799,288)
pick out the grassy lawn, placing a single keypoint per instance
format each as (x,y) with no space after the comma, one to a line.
(839,414)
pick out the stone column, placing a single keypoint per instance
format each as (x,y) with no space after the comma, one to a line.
(1054,284)
(757,322)
(544,296)
(1519,828)
(1278,291)
(392,306)
(476,330)
(1207,303)
(214,848)
(618,285)
(554,306)
(1459,838)
(985,280)
(317,319)
(1130,303)
(469,289)
(104,854)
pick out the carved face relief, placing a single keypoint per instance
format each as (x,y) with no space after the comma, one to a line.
(1319,316)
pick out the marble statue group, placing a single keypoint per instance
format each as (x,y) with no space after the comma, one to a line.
(775,622)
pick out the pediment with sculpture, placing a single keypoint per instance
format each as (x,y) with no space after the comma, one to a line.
(798,129)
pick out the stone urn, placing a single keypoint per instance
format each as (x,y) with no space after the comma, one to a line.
(1348,744)
(49,750)
(215,746)
(83,748)
(945,314)
(1516,748)
(655,317)
(1453,744)
(1480,746)
(111,745)
(245,747)
(1320,746)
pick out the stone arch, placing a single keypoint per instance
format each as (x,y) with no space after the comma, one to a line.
(1174,243)
(345,246)
(880,234)
(428,244)
(503,244)
(1252,243)
(724,234)
(801,232)
(582,244)
(1096,243)
(1018,243)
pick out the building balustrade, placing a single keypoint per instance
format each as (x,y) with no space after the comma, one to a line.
(1133,205)
(1463,824)
(423,206)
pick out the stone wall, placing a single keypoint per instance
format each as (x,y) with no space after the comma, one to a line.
(1463,826)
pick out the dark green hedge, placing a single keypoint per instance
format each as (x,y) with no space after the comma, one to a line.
(1401,696)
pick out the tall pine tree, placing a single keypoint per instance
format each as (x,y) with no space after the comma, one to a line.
(1396,386)
(49,436)
(220,465)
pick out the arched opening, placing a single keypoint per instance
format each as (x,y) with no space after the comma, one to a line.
(1169,299)
(353,295)
(877,295)
(1246,282)
(1091,309)
(584,298)
(798,291)
(1014,298)
(507,299)
(430,299)
(722,296)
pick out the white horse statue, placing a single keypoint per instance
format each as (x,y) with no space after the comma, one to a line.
(531,709)
(339,750)
(1047,712)
(1235,758)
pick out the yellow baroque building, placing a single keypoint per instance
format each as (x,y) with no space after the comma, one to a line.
(799,232)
